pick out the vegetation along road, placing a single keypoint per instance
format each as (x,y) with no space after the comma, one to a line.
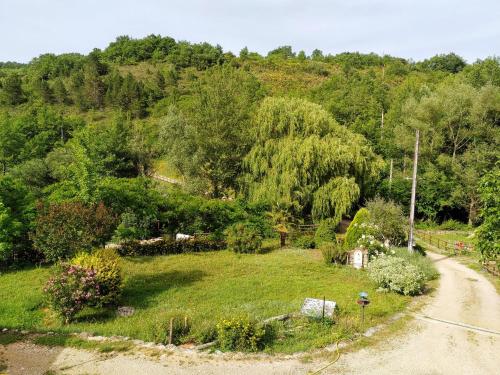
(458,332)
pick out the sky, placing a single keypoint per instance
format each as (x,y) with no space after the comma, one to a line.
(413,29)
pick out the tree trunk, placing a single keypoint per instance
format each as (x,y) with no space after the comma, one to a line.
(472,212)
(282,239)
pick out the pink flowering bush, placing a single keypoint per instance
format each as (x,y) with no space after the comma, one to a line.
(71,289)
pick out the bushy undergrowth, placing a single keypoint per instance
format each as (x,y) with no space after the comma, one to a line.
(106,265)
(306,241)
(325,232)
(239,334)
(453,225)
(333,253)
(169,247)
(243,238)
(424,264)
(397,274)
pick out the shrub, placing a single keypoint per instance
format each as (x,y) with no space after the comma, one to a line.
(424,264)
(169,247)
(105,264)
(70,289)
(306,241)
(240,334)
(132,228)
(204,332)
(325,232)
(354,231)
(185,213)
(243,238)
(397,275)
(370,243)
(62,230)
(333,253)
(452,225)
(389,219)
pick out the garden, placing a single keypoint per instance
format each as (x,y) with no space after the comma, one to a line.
(186,196)
(221,288)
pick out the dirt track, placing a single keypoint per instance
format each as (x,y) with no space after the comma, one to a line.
(458,332)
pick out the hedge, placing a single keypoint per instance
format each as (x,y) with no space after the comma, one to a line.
(170,247)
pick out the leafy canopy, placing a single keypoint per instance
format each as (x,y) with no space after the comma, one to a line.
(304,160)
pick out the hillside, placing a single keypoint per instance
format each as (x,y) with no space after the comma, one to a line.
(75,127)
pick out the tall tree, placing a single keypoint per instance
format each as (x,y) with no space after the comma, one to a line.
(304,160)
(12,92)
(208,141)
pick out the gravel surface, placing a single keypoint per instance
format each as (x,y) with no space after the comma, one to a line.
(458,332)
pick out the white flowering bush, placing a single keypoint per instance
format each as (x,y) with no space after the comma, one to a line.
(397,275)
(374,246)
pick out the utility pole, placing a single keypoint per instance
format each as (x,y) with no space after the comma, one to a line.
(413,191)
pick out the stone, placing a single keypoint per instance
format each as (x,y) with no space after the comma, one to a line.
(97,338)
(313,307)
(125,311)
(4,330)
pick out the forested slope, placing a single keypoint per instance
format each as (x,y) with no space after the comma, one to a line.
(77,127)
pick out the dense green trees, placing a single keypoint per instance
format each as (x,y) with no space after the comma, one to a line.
(208,139)
(16,217)
(12,91)
(87,129)
(303,160)
(450,62)
(489,232)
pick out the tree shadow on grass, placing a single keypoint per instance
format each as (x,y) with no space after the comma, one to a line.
(141,259)
(141,290)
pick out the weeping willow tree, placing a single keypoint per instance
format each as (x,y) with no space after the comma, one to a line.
(304,160)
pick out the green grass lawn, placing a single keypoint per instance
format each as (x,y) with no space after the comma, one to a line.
(451,237)
(206,287)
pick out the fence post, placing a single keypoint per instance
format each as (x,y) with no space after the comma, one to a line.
(171,331)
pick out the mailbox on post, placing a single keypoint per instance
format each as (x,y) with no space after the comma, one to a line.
(363,301)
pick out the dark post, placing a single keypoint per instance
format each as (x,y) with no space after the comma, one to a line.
(282,239)
(324,299)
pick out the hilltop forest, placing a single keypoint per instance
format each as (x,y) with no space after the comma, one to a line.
(288,135)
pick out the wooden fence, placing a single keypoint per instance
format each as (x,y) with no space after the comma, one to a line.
(457,247)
